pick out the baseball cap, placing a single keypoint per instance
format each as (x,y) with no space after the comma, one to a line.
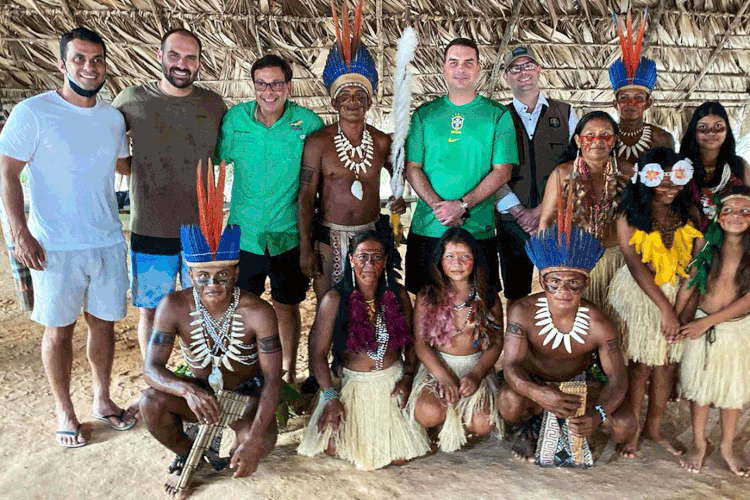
(518,52)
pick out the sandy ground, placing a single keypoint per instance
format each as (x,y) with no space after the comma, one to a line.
(132,465)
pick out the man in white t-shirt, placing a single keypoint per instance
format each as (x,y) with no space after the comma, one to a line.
(73,242)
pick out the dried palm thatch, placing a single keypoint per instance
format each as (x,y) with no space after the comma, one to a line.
(701,47)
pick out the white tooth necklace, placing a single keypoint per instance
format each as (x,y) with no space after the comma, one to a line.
(364,151)
(225,346)
(636,149)
(579,330)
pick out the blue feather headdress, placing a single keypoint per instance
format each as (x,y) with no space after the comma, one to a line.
(632,70)
(555,250)
(206,244)
(349,62)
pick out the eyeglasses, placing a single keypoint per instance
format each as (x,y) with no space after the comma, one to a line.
(554,285)
(275,86)
(718,128)
(374,258)
(517,68)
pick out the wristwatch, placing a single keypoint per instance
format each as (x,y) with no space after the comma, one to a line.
(465,208)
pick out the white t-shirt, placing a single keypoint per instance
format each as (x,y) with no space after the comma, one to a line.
(71,153)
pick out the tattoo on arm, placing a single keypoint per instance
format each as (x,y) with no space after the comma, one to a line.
(161,338)
(515,330)
(269,344)
(306,175)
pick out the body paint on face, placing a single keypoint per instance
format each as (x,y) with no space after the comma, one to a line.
(588,140)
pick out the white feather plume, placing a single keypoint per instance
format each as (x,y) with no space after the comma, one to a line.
(402,77)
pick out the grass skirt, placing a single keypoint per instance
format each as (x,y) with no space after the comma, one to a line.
(718,373)
(602,274)
(639,320)
(376,431)
(458,415)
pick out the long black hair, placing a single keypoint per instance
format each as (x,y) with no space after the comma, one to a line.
(638,196)
(347,286)
(572,151)
(727,154)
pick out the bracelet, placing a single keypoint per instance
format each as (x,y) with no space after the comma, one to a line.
(328,394)
(602,413)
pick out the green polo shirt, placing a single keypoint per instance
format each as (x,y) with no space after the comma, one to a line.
(266,174)
(457,146)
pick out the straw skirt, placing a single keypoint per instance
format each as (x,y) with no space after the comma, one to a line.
(376,431)
(458,415)
(639,320)
(718,372)
(601,276)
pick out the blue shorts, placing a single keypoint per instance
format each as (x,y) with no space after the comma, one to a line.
(154,276)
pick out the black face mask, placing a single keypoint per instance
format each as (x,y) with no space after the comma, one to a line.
(81,91)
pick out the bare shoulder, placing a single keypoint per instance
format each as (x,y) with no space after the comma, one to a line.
(660,137)
(626,168)
(564,169)
(253,307)
(521,314)
(600,325)
(321,135)
(381,139)
(175,303)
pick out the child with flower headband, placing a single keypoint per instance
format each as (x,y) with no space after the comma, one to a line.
(715,366)
(656,235)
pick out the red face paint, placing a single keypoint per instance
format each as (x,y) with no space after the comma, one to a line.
(587,141)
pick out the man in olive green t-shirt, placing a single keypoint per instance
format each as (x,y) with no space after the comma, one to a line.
(264,138)
(173,124)
(460,149)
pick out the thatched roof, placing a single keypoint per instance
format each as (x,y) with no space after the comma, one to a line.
(701,47)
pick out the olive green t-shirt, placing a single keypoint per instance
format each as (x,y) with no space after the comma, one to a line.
(169,135)
(267,163)
(457,146)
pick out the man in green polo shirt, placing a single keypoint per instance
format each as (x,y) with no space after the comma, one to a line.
(460,149)
(264,138)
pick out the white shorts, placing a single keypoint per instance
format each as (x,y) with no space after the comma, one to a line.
(95,278)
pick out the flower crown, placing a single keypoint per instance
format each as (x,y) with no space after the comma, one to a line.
(652,174)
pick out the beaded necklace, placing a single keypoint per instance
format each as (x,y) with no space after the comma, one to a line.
(225,346)
(377,317)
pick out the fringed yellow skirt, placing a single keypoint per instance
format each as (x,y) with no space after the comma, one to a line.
(715,367)
(458,415)
(602,274)
(638,319)
(376,431)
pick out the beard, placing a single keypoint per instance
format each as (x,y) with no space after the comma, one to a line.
(176,81)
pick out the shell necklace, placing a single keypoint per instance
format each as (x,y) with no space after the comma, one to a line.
(580,326)
(637,149)
(225,346)
(381,336)
(364,151)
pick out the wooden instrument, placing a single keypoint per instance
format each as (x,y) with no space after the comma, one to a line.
(232,407)
(576,443)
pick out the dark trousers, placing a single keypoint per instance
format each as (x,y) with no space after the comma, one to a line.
(517,269)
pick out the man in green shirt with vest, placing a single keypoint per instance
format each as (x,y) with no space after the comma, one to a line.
(544,128)
(460,149)
(264,138)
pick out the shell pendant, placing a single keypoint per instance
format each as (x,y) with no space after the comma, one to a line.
(215,378)
(357,189)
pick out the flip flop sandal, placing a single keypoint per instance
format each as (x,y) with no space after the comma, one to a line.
(75,434)
(119,416)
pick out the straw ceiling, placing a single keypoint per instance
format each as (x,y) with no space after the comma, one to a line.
(701,47)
